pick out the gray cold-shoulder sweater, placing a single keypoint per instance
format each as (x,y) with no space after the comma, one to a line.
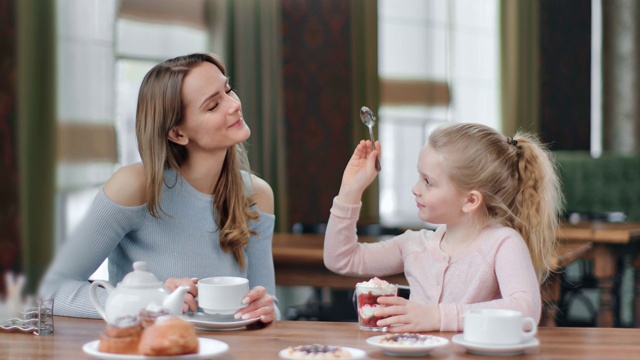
(182,242)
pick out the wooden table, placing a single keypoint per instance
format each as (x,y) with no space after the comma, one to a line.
(298,261)
(610,241)
(265,342)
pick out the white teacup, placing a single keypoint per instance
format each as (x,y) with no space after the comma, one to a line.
(498,327)
(222,294)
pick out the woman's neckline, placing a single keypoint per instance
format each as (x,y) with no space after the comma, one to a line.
(185,183)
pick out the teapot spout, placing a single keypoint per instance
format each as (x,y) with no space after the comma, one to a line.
(173,302)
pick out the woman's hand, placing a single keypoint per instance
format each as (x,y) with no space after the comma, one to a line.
(406,315)
(190,302)
(359,173)
(259,304)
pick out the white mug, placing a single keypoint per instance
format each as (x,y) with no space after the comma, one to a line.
(222,294)
(497,327)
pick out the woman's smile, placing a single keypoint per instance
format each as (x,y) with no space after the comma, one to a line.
(237,123)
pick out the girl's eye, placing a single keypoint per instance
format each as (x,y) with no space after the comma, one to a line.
(232,89)
(213,107)
(426,181)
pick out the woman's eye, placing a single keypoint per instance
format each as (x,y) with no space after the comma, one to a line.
(231,89)
(213,107)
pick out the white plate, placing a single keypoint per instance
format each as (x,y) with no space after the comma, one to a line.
(355,354)
(405,349)
(208,349)
(216,321)
(502,350)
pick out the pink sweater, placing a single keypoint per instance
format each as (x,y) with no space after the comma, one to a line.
(495,272)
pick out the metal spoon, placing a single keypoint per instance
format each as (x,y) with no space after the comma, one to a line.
(369,120)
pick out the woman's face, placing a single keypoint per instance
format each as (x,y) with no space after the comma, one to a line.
(437,198)
(212,117)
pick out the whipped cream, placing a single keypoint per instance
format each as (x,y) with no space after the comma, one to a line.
(377,286)
(366,311)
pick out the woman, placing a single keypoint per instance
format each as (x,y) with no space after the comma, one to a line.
(191,209)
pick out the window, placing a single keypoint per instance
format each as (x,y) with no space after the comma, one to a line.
(102,59)
(450,50)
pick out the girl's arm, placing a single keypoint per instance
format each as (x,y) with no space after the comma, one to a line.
(343,253)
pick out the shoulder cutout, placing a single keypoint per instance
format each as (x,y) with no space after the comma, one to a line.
(127,186)
(263,195)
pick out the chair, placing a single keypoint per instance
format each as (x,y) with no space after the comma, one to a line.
(574,292)
(554,290)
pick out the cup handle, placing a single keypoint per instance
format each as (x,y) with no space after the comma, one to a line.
(94,296)
(528,335)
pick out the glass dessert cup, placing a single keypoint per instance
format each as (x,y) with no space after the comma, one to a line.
(367,304)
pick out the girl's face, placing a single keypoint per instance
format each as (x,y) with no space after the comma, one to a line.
(212,117)
(439,201)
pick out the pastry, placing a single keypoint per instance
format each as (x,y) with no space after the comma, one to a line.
(408,339)
(169,336)
(317,351)
(149,314)
(121,337)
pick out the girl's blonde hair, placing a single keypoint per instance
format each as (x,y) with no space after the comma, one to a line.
(516,177)
(160,108)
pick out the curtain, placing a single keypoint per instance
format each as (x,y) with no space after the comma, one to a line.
(519,63)
(251,47)
(250,38)
(36,134)
(366,86)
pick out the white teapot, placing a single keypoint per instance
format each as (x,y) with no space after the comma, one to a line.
(136,291)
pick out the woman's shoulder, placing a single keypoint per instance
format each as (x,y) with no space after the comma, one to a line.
(262,194)
(127,186)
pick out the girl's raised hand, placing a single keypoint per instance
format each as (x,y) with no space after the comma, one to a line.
(359,173)
(407,316)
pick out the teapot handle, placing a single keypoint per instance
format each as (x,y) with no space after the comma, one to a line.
(94,296)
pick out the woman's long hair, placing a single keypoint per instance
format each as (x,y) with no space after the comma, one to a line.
(516,177)
(160,108)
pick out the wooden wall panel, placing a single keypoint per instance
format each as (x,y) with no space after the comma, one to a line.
(318,103)
(565,74)
(86,142)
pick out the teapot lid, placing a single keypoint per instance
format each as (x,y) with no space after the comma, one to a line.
(140,277)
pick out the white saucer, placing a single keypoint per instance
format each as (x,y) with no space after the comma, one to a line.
(208,349)
(355,354)
(407,350)
(204,321)
(500,350)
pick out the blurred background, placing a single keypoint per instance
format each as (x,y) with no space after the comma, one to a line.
(70,71)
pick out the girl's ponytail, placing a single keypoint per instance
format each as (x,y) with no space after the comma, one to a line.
(539,202)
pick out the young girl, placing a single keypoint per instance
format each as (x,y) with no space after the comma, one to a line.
(497,200)
(191,209)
